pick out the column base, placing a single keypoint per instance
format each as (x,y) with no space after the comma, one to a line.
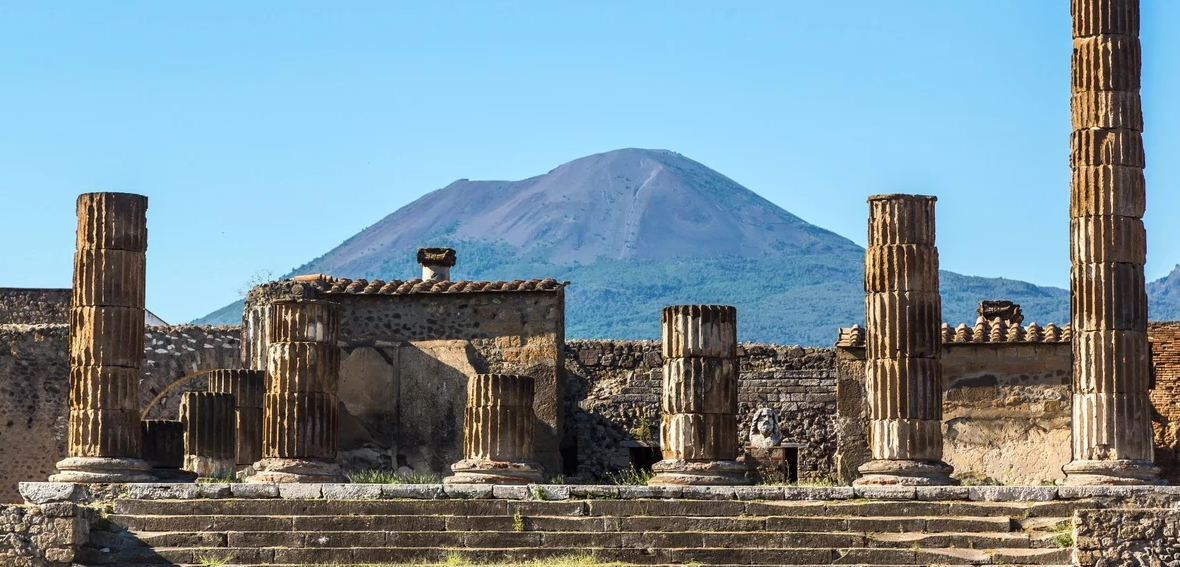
(296,470)
(102,470)
(671,472)
(884,472)
(475,471)
(209,468)
(1111,473)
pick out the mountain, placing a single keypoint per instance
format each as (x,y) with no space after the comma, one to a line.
(1163,297)
(637,229)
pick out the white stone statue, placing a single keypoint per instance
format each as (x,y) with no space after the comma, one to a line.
(764,431)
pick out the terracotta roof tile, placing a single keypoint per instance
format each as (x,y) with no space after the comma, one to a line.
(996,331)
(331,285)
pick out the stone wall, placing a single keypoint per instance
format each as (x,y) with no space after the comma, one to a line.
(1006,411)
(34,385)
(613,400)
(43,536)
(32,306)
(406,359)
(1165,395)
(1127,537)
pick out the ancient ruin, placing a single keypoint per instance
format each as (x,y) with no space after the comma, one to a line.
(106,341)
(903,313)
(498,432)
(699,403)
(248,388)
(163,448)
(209,434)
(1112,435)
(299,409)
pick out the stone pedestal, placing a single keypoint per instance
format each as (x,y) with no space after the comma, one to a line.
(248,388)
(903,342)
(300,405)
(498,432)
(163,449)
(1112,435)
(698,430)
(209,440)
(106,341)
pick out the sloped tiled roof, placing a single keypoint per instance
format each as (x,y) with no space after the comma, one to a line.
(331,285)
(984,331)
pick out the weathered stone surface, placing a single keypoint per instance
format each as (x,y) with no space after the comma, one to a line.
(498,432)
(304,321)
(300,425)
(699,436)
(1108,190)
(414,491)
(106,336)
(254,490)
(303,367)
(1108,296)
(104,387)
(163,443)
(336,491)
(903,341)
(1107,238)
(1111,361)
(1013,493)
(700,385)
(699,331)
(112,221)
(209,435)
(247,386)
(1092,147)
(901,267)
(1111,426)
(901,219)
(104,433)
(108,278)
(1092,18)
(1119,110)
(942,492)
(1106,63)
(46,492)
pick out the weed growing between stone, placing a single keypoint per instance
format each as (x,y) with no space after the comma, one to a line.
(457,560)
(630,477)
(374,476)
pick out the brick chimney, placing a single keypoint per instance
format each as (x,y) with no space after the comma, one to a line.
(436,263)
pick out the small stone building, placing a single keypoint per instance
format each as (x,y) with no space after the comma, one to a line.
(407,350)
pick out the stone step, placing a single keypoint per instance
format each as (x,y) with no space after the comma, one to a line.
(498,539)
(671,524)
(384,555)
(272,507)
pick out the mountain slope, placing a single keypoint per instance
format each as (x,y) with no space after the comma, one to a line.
(634,230)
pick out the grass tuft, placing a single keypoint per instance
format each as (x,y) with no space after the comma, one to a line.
(630,477)
(374,476)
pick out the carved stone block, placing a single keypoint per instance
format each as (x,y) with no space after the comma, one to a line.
(700,385)
(699,331)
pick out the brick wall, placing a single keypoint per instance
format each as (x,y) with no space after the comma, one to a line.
(1165,395)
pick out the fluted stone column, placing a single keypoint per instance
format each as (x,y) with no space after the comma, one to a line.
(248,388)
(903,342)
(106,341)
(498,432)
(299,408)
(698,430)
(1112,436)
(163,448)
(209,440)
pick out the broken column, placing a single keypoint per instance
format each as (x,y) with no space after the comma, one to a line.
(498,432)
(1112,435)
(903,341)
(299,408)
(698,430)
(163,448)
(248,388)
(209,440)
(436,263)
(106,341)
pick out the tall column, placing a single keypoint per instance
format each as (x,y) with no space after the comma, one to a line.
(698,430)
(106,341)
(1112,437)
(903,342)
(299,408)
(498,432)
(209,440)
(248,388)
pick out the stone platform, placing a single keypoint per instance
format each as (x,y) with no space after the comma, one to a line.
(362,524)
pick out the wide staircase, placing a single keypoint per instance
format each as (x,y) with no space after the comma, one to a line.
(212,532)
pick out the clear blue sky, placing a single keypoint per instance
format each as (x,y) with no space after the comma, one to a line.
(266,132)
